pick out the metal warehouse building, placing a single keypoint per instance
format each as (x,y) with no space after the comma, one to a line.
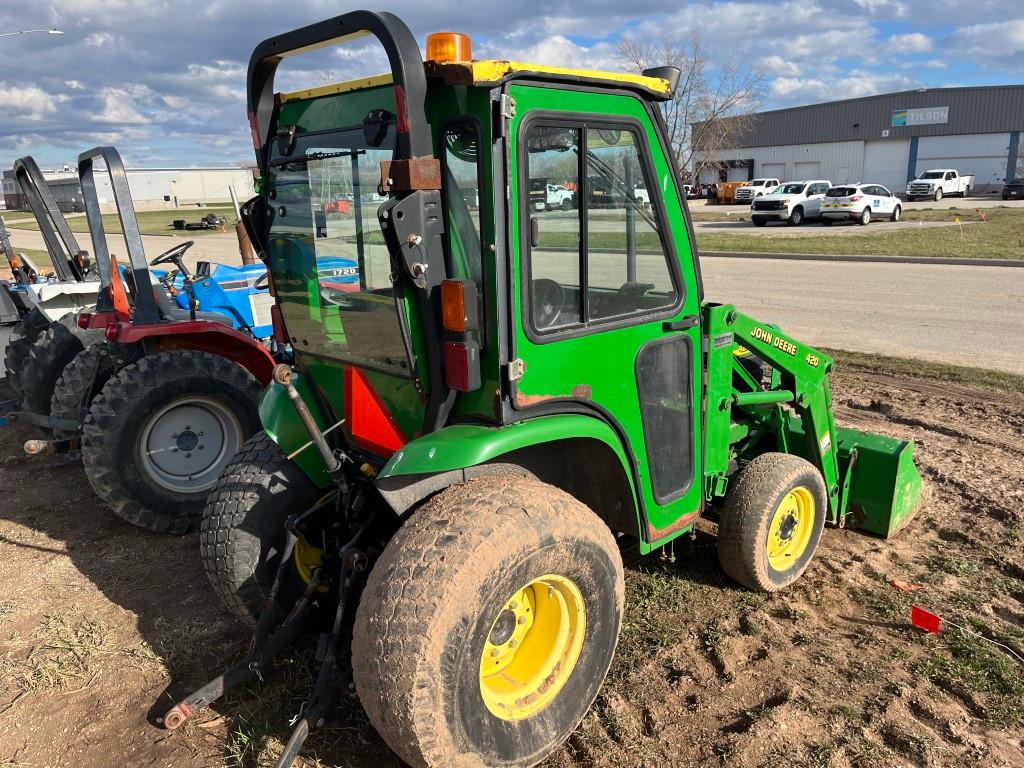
(887,139)
(151,188)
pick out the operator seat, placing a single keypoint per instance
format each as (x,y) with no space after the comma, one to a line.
(171,311)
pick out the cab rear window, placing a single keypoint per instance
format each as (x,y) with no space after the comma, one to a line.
(841,192)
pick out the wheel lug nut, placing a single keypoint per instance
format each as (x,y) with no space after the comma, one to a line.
(495,653)
(200,434)
(200,447)
(512,643)
(174,436)
(174,450)
(188,455)
(513,605)
(522,620)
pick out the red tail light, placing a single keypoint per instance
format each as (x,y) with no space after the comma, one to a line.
(83,320)
(112,332)
(462,365)
(855,198)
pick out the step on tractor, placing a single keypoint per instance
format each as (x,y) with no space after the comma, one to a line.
(44,303)
(450,465)
(167,395)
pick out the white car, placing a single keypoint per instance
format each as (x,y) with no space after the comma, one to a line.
(755,188)
(860,203)
(792,202)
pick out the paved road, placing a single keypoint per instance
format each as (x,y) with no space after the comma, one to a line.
(970,203)
(970,316)
(964,315)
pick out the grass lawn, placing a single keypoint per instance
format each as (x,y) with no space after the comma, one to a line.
(1000,237)
(150,222)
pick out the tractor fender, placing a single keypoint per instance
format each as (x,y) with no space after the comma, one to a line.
(578,453)
(203,336)
(282,424)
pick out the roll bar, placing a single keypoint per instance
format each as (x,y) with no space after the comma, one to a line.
(144,301)
(60,242)
(414,138)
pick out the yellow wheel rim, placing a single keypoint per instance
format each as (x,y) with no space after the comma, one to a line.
(532,647)
(791,529)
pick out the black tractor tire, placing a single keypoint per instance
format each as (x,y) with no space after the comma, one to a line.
(447,584)
(132,420)
(52,350)
(796,218)
(23,334)
(896,213)
(754,500)
(242,532)
(865,217)
(82,379)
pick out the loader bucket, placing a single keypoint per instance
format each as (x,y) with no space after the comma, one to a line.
(885,487)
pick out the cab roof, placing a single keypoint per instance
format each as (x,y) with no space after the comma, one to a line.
(492,72)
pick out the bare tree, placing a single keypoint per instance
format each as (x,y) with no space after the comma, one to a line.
(713,103)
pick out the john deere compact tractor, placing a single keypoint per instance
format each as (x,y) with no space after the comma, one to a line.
(445,474)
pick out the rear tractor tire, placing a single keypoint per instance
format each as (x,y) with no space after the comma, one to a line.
(23,335)
(488,625)
(772,521)
(83,378)
(161,431)
(242,532)
(50,353)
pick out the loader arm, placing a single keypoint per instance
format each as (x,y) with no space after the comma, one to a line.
(870,475)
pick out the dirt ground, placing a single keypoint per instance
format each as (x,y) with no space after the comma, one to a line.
(97,619)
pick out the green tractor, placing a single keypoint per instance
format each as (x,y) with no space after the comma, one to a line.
(509,393)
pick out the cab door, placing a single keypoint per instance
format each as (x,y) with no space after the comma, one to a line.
(606,301)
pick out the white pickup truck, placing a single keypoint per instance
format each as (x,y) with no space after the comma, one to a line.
(939,182)
(755,188)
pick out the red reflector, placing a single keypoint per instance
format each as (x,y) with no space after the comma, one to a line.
(855,198)
(462,365)
(112,332)
(925,620)
(277,322)
(367,418)
(83,320)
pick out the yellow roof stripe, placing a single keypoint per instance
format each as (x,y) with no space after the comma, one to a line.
(492,71)
(332,88)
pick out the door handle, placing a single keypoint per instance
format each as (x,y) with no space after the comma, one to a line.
(682,324)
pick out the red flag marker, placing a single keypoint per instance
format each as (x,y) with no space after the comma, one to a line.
(922,619)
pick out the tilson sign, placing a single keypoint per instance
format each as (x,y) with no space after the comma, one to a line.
(923,116)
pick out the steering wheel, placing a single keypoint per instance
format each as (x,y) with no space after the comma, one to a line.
(173,255)
(548,299)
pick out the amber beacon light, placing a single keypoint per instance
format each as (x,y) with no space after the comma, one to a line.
(449,46)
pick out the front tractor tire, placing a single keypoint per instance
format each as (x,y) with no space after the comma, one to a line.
(488,625)
(772,521)
(54,348)
(242,531)
(23,335)
(161,431)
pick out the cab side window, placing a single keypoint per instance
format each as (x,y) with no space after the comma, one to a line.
(602,255)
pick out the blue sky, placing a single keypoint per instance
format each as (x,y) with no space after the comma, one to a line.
(164,80)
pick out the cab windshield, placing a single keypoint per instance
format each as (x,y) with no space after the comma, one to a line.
(331,269)
(791,189)
(932,175)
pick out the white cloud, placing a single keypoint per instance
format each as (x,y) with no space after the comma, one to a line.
(74,85)
(998,43)
(912,42)
(936,64)
(31,101)
(119,106)
(791,91)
